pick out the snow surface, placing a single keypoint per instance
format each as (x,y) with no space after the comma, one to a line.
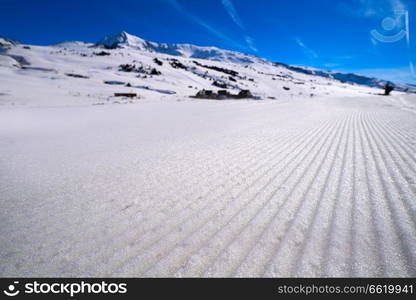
(126,40)
(43,71)
(167,185)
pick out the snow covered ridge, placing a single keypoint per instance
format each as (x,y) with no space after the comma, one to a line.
(4,42)
(126,40)
(351,78)
(79,73)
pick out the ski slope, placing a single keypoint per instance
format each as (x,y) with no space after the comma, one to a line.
(303,187)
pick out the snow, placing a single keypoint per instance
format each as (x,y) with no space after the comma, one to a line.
(8,62)
(167,185)
(126,40)
(43,71)
(123,39)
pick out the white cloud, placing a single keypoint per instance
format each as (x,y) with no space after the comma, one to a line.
(250,43)
(372,8)
(331,65)
(397,5)
(230,8)
(219,34)
(308,51)
(214,31)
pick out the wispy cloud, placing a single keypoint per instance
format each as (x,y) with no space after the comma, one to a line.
(250,43)
(371,8)
(397,5)
(376,9)
(311,54)
(229,6)
(214,31)
(331,65)
(231,10)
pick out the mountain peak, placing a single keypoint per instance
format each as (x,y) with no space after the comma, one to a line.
(126,40)
(121,39)
(4,42)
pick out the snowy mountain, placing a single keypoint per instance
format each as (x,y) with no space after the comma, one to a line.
(123,39)
(75,73)
(7,43)
(126,40)
(349,77)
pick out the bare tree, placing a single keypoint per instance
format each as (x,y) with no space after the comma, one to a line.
(388,89)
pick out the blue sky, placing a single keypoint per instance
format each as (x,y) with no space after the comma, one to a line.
(370,37)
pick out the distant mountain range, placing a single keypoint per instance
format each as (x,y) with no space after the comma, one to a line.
(124,40)
(350,78)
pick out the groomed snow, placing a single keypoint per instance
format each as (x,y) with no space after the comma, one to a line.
(321,187)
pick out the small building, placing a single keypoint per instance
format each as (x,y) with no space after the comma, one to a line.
(224,94)
(245,94)
(204,94)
